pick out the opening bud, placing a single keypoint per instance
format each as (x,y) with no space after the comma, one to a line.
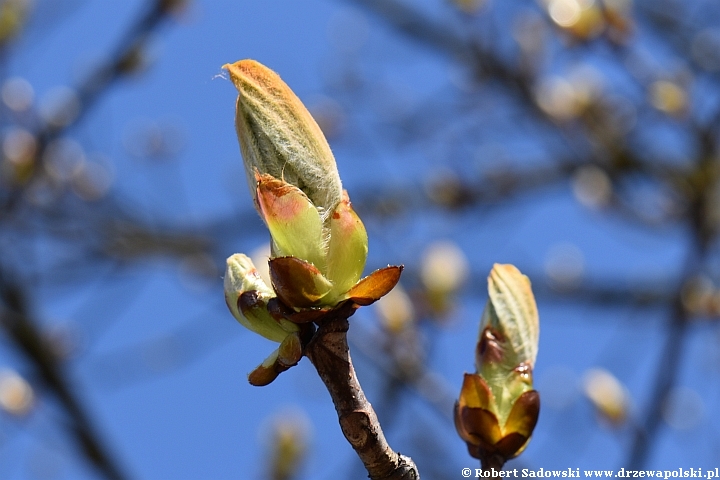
(498,408)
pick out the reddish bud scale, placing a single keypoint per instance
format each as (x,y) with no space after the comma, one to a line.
(479,427)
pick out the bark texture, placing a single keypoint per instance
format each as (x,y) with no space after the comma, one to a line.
(329,353)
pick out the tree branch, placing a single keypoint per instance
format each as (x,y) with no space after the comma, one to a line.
(329,353)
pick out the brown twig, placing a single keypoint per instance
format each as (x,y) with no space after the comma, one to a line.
(329,353)
(490,462)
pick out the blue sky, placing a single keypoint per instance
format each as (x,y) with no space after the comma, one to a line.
(161,365)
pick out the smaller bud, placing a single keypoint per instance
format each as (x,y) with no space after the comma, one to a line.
(287,355)
(498,408)
(246,295)
(266,372)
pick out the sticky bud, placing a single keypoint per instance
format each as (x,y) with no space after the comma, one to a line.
(498,408)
